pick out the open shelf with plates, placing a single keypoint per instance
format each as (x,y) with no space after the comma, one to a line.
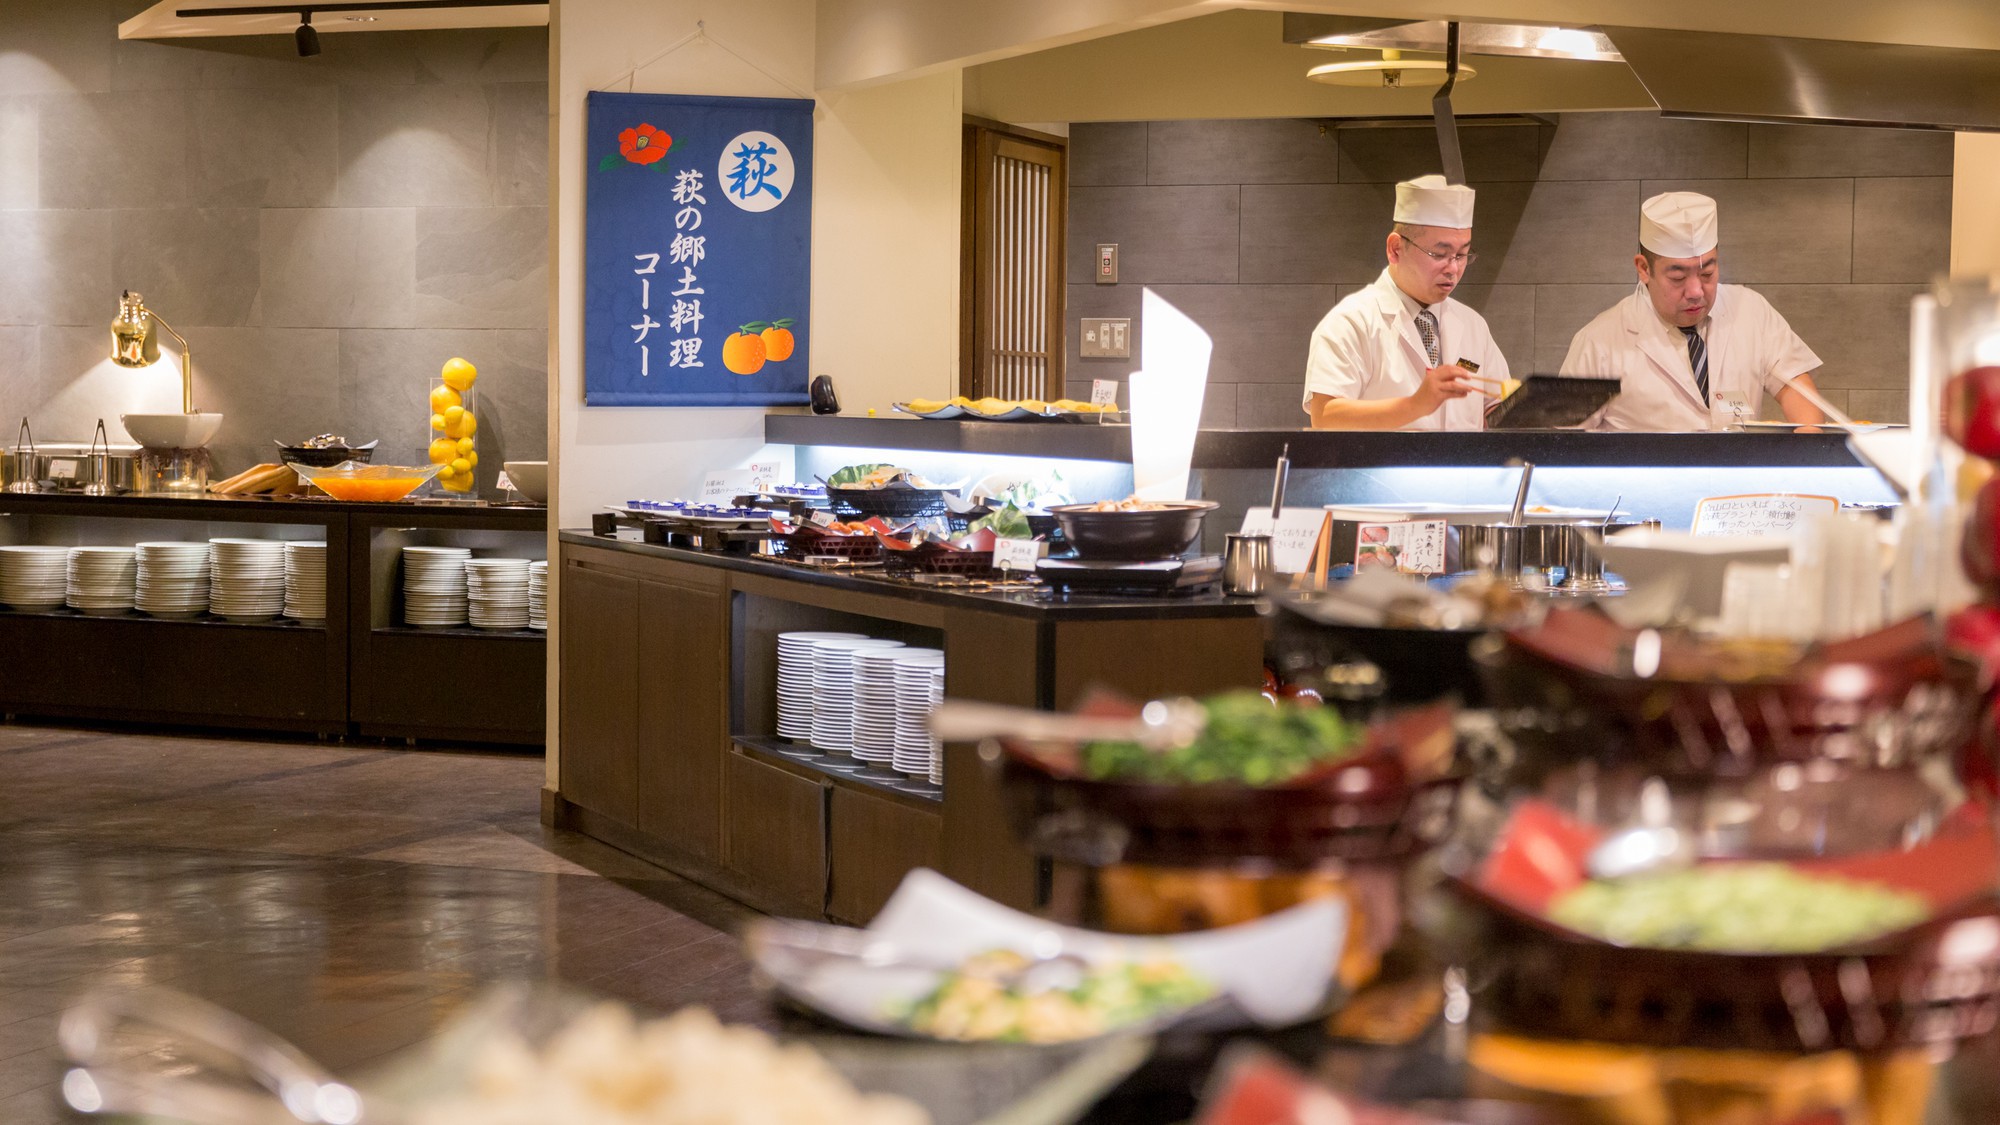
(319,676)
(455,681)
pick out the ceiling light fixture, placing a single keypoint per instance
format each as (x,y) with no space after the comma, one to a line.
(308,39)
(1390,72)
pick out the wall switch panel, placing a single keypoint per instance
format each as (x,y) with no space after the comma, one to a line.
(1106,338)
(1107,263)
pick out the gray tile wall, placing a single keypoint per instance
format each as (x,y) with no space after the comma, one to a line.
(326,232)
(1256,228)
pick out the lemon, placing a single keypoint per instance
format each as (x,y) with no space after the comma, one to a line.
(443,450)
(437,421)
(446,473)
(461,466)
(443,398)
(452,414)
(464,446)
(471,458)
(458,374)
(461,427)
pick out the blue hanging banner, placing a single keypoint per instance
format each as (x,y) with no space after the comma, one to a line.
(697,250)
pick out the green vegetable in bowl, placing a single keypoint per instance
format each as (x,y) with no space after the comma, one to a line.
(1737,908)
(1007,523)
(1247,740)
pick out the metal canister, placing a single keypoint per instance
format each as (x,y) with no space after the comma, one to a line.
(1496,549)
(1246,564)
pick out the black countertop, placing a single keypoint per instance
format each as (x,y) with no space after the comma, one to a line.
(263,508)
(1038,603)
(1318,449)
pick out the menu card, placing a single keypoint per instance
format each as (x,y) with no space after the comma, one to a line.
(1758,513)
(1411,546)
(1292,539)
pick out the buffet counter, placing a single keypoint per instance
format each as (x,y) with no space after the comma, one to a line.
(1655,476)
(1319,449)
(669,715)
(361,670)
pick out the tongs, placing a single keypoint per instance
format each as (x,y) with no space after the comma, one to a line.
(103,1080)
(1163,724)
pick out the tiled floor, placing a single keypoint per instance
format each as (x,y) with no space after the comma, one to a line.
(350,898)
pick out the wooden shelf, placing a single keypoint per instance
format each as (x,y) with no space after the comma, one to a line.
(784,754)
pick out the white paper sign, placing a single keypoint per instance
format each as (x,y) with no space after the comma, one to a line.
(1293,538)
(822,518)
(1411,546)
(723,485)
(503,482)
(1016,554)
(1104,392)
(1758,513)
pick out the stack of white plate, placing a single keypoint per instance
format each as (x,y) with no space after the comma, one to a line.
(246,578)
(833,691)
(497,590)
(919,687)
(538,595)
(795,681)
(875,702)
(34,577)
(172,579)
(101,579)
(305,580)
(434,585)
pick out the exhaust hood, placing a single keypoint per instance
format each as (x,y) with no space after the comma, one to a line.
(1813,81)
(1712,75)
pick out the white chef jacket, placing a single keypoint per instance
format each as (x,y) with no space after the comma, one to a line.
(1750,350)
(1367,347)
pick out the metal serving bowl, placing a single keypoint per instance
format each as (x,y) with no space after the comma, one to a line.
(1154,533)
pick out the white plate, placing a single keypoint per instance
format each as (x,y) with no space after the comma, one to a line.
(1274,971)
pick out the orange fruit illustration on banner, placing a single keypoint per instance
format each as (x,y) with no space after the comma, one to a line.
(743,352)
(778,340)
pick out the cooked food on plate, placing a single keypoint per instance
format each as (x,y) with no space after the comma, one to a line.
(1737,908)
(1129,504)
(606,1067)
(876,476)
(995,995)
(1247,740)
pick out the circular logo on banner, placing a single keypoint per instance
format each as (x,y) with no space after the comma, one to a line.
(756,171)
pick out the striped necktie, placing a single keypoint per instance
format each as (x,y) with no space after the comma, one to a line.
(1698,360)
(1427,327)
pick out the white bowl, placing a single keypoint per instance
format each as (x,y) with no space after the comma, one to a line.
(531,479)
(171,431)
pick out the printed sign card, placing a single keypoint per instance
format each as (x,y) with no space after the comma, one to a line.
(1411,546)
(1292,539)
(1758,513)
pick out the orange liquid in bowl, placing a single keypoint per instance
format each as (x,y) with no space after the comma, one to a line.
(391,488)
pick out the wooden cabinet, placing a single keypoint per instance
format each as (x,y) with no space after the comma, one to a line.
(682,711)
(777,834)
(669,723)
(600,690)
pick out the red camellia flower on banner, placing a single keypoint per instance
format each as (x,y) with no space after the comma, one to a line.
(644,145)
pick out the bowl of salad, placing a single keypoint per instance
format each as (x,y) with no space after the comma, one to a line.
(1282,781)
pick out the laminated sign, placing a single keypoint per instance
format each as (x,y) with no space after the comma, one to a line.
(697,250)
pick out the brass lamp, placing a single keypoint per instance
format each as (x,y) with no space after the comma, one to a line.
(134,344)
(175,458)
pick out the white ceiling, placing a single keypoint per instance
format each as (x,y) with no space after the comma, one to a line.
(160,22)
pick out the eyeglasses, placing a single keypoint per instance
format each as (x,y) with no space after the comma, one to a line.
(1463,260)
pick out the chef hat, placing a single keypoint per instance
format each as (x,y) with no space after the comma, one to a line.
(1428,201)
(1678,224)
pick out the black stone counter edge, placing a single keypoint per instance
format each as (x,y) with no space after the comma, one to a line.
(1320,449)
(141,506)
(1075,609)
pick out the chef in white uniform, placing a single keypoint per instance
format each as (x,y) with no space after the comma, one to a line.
(1693,354)
(1389,357)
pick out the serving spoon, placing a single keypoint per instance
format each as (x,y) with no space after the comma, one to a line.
(1163,724)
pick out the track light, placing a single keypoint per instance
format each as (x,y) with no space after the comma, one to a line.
(308,39)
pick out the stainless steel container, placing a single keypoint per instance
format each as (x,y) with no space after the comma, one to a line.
(69,465)
(1497,549)
(1246,564)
